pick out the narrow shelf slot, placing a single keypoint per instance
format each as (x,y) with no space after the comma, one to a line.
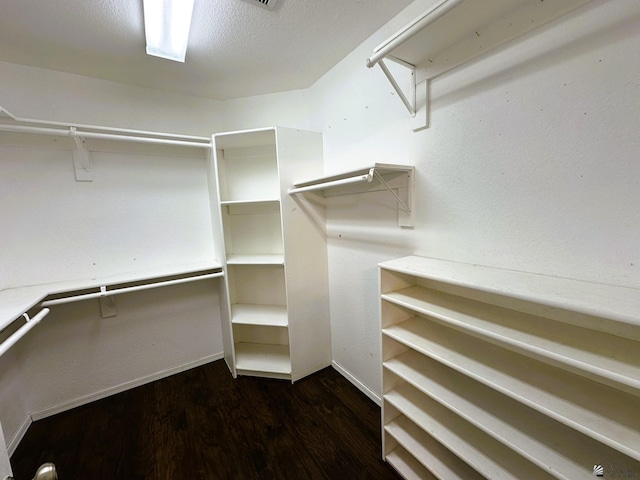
(431,455)
(598,411)
(256,259)
(257,357)
(603,357)
(407,466)
(557,449)
(264,315)
(480,451)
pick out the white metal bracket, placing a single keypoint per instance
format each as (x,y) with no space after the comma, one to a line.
(416,98)
(81,159)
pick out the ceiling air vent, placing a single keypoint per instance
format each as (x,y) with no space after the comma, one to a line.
(269,4)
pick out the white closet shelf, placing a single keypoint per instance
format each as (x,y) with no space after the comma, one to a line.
(507,373)
(480,451)
(265,315)
(620,304)
(431,458)
(263,358)
(453,32)
(544,445)
(249,202)
(509,367)
(407,466)
(12,123)
(397,179)
(15,301)
(255,259)
(616,361)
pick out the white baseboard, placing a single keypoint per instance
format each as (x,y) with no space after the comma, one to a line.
(357,383)
(47,412)
(17,437)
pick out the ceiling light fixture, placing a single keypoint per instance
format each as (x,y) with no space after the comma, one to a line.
(166,27)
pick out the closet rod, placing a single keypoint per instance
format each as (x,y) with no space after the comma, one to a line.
(22,331)
(399,38)
(335,183)
(105,293)
(98,135)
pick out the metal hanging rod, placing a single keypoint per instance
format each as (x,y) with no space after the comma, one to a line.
(106,293)
(44,127)
(334,183)
(23,330)
(427,19)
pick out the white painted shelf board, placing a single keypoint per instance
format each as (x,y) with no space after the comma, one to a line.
(434,457)
(407,466)
(474,26)
(620,429)
(536,449)
(249,202)
(265,315)
(384,169)
(245,138)
(16,301)
(614,302)
(259,357)
(264,259)
(460,437)
(616,363)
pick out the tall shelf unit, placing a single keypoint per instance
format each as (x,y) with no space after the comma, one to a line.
(491,373)
(277,316)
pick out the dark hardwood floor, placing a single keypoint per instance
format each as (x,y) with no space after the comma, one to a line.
(203,424)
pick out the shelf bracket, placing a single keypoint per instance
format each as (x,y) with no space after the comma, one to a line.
(81,158)
(416,102)
(406,208)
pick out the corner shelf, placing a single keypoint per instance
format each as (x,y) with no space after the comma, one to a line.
(453,32)
(378,177)
(275,312)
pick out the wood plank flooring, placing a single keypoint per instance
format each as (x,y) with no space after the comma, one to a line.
(203,424)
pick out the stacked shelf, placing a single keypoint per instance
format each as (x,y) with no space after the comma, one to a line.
(254,251)
(481,380)
(251,172)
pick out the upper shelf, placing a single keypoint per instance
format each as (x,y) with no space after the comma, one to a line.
(449,22)
(397,179)
(453,32)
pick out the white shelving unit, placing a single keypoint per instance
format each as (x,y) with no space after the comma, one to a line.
(277,321)
(398,180)
(453,32)
(502,374)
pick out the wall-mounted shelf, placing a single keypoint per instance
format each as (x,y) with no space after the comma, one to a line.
(397,179)
(79,133)
(15,301)
(453,32)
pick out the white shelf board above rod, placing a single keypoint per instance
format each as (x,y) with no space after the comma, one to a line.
(453,32)
(397,179)
(13,123)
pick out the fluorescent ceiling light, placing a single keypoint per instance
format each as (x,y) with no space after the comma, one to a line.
(166,27)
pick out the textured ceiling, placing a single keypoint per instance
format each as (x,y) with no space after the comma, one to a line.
(235,49)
